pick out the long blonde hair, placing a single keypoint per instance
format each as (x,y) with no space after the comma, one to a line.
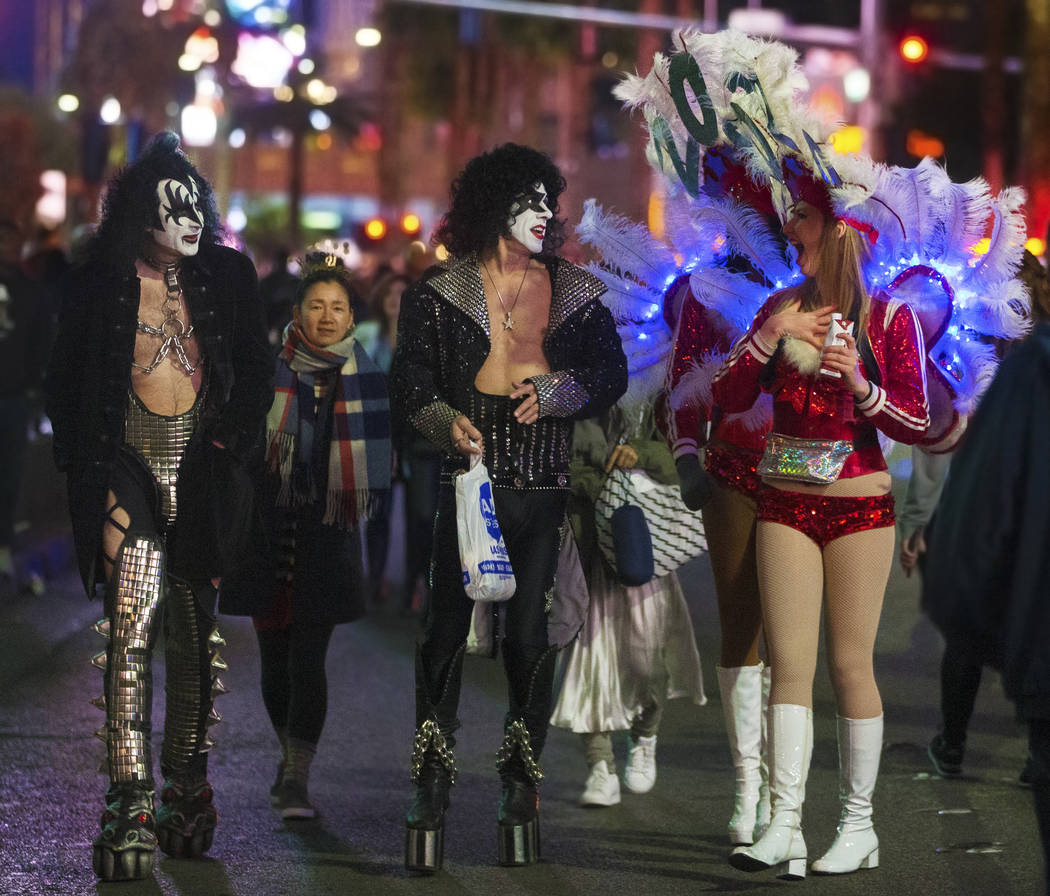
(839,279)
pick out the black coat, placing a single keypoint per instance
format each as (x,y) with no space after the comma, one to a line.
(89,377)
(328,582)
(986,580)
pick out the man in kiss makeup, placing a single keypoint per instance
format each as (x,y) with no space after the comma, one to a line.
(498,352)
(159,382)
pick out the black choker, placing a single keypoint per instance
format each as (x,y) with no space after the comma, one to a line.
(159,267)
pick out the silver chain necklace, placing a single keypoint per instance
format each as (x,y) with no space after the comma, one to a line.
(508,323)
(172,330)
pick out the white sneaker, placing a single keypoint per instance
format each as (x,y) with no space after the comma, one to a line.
(640,774)
(602,788)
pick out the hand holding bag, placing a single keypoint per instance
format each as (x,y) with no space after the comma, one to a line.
(487,574)
(675,534)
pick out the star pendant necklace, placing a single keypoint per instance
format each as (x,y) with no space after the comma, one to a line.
(508,323)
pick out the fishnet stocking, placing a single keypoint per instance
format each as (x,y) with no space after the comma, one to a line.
(729,522)
(794,575)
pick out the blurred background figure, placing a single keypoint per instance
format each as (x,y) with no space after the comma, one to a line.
(24,337)
(417,468)
(277,290)
(960,666)
(992,602)
(637,647)
(314,492)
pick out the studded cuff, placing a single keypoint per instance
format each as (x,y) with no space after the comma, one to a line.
(558,393)
(435,422)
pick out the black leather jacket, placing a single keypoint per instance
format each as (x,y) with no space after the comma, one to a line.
(444,339)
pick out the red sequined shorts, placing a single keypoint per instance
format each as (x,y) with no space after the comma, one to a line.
(734,468)
(824,519)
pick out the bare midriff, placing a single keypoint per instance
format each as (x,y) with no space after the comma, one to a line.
(868,485)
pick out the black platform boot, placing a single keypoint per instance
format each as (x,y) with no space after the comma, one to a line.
(518,816)
(433,766)
(125,848)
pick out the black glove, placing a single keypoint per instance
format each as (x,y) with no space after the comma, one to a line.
(695,482)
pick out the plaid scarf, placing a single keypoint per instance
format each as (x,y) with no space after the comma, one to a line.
(358,448)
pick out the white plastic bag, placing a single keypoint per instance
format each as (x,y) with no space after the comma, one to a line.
(487,574)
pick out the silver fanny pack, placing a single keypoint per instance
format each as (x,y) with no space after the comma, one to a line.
(816,461)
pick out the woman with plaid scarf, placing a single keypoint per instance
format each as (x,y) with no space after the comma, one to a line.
(327,466)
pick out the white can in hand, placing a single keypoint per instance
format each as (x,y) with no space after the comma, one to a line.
(838,328)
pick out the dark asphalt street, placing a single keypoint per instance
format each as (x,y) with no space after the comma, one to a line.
(971,836)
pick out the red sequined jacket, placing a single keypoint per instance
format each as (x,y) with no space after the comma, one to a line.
(735,445)
(819,407)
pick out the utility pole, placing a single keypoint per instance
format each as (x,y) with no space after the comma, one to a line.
(1035,115)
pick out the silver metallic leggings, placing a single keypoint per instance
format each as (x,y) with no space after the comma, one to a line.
(139,593)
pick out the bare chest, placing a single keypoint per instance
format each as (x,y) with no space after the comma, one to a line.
(166,370)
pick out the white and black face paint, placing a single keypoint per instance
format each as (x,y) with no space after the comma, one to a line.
(180,216)
(528,218)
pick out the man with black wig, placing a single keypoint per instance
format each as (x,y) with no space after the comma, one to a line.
(159,382)
(498,352)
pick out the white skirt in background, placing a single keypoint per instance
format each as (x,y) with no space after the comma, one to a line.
(637,644)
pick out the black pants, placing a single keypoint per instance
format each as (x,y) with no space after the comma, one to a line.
(960,680)
(531,524)
(294,684)
(1039,751)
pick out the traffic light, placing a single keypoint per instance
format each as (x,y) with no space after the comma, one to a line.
(375,229)
(410,224)
(913,48)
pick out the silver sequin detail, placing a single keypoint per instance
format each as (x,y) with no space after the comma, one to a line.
(435,422)
(129,670)
(462,287)
(559,394)
(183,722)
(161,441)
(521,455)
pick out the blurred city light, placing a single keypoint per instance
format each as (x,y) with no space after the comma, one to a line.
(857,85)
(110,110)
(199,124)
(919,144)
(213,18)
(203,45)
(849,139)
(237,220)
(283,93)
(259,12)
(306,66)
(149,8)
(189,63)
(440,252)
(914,48)
(68,102)
(320,120)
(294,39)
(262,61)
(368,37)
(410,223)
(238,138)
(1035,245)
(51,206)
(375,228)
